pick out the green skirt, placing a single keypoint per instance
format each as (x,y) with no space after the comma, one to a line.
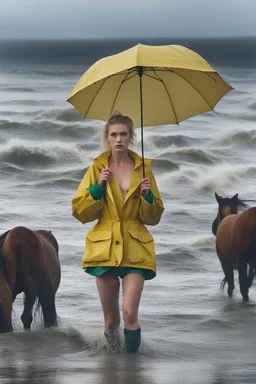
(148,274)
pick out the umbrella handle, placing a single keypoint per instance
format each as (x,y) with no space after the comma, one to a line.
(140,74)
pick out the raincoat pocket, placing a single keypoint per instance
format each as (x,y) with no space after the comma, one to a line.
(141,247)
(97,246)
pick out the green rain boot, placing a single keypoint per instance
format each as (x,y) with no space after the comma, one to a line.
(113,341)
(132,340)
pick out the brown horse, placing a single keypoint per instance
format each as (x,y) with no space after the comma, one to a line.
(236,243)
(29,263)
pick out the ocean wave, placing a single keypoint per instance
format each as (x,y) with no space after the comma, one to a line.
(41,129)
(66,115)
(222,177)
(239,100)
(184,175)
(29,125)
(216,324)
(245,116)
(19,89)
(239,138)
(23,153)
(179,259)
(29,102)
(60,183)
(163,164)
(164,141)
(9,169)
(193,155)
(178,255)
(252,105)
(203,242)
(16,113)
(237,116)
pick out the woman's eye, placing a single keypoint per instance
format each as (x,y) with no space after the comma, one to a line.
(113,135)
(124,134)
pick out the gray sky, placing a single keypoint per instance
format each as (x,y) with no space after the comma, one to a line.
(123,18)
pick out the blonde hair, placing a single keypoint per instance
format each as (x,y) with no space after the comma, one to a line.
(117,118)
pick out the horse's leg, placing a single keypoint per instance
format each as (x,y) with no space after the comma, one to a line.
(251,274)
(46,297)
(243,280)
(26,316)
(229,275)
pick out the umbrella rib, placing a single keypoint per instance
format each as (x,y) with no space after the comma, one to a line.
(152,77)
(120,85)
(193,85)
(95,97)
(177,122)
(116,74)
(129,78)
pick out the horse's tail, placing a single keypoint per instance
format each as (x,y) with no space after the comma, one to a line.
(222,284)
(5,321)
(46,300)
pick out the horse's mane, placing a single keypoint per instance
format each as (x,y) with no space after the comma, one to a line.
(242,204)
(2,259)
(2,238)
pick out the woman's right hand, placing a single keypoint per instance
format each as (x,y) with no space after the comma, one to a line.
(104,177)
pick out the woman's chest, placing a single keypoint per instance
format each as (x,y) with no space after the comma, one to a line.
(123,177)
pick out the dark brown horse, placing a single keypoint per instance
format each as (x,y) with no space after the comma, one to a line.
(236,243)
(29,263)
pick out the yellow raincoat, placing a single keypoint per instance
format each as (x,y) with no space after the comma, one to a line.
(119,238)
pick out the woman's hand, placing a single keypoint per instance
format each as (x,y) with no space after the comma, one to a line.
(104,177)
(145,187)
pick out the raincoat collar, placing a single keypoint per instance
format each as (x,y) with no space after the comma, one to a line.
(102,160)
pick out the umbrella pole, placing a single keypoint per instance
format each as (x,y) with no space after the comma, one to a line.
(140,73)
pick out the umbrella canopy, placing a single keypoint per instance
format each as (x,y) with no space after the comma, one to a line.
(176,83)
(154,85)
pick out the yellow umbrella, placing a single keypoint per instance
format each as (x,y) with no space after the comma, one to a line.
(154,85)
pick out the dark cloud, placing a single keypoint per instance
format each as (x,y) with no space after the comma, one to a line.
(112,18)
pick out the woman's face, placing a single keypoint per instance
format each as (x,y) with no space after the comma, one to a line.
(119,137)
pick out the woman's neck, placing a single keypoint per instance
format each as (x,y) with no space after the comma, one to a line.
(119,158)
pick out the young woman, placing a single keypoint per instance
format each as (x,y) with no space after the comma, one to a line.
(114,193)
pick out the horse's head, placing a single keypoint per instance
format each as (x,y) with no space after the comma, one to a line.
(226,206)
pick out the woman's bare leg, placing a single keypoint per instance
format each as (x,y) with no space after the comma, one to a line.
(108,288)
(132,289)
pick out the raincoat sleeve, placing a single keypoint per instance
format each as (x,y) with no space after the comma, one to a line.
(84,207)
(150,214)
